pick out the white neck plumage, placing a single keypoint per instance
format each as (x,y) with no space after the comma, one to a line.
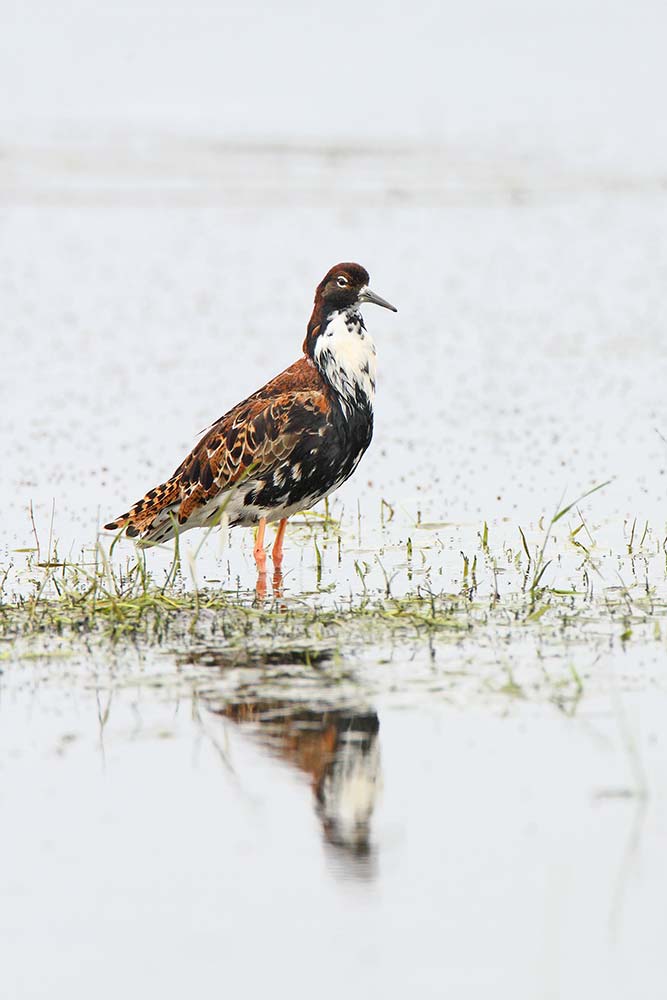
(345,355)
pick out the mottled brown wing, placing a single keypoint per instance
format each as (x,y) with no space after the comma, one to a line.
(256,433)
(251,439)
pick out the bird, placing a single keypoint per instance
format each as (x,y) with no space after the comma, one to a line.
(288,445)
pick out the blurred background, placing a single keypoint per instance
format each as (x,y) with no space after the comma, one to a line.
(579,84)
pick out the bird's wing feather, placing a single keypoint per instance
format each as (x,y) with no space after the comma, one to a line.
(249,440)
(256,433)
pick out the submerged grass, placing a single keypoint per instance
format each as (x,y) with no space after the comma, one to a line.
(105,602)
(504,597)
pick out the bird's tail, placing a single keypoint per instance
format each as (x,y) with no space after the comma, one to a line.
(151,518)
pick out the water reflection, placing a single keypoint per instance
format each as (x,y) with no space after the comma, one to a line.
(339,749)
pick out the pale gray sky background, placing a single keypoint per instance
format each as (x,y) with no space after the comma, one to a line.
(583,81)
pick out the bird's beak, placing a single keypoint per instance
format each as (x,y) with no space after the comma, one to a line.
(366,295)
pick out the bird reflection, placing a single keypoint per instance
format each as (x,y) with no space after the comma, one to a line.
(339,750)
(276,584)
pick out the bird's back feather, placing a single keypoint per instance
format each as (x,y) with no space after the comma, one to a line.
(252,439)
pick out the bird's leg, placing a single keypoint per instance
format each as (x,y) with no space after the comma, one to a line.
(277,553)
(258,551)
(260,586)
(278,583)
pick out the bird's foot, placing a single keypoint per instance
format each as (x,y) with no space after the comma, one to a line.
(277,583)
(260,586)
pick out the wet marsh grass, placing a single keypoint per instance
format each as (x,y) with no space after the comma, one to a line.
(502,595)
(520,613)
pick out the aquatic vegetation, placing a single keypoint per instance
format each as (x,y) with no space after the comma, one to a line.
(522,620)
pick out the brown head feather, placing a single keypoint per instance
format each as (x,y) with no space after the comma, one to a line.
(338,289)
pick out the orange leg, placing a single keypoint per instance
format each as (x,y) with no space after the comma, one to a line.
(277,553)
(260,586)
(277,584)
(258,551)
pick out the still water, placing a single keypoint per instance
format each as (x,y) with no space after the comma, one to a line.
(168,842)
(165,829)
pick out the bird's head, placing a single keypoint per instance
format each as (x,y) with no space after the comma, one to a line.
(343,287)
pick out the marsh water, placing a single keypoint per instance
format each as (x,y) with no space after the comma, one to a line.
(387,812)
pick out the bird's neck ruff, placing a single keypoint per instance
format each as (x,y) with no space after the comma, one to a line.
(344,353)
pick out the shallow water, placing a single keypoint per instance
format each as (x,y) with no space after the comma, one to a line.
(159,839)
(447,808)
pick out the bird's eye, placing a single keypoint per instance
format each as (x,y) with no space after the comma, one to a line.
(342,280)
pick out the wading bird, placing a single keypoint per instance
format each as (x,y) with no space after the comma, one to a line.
(290,444)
